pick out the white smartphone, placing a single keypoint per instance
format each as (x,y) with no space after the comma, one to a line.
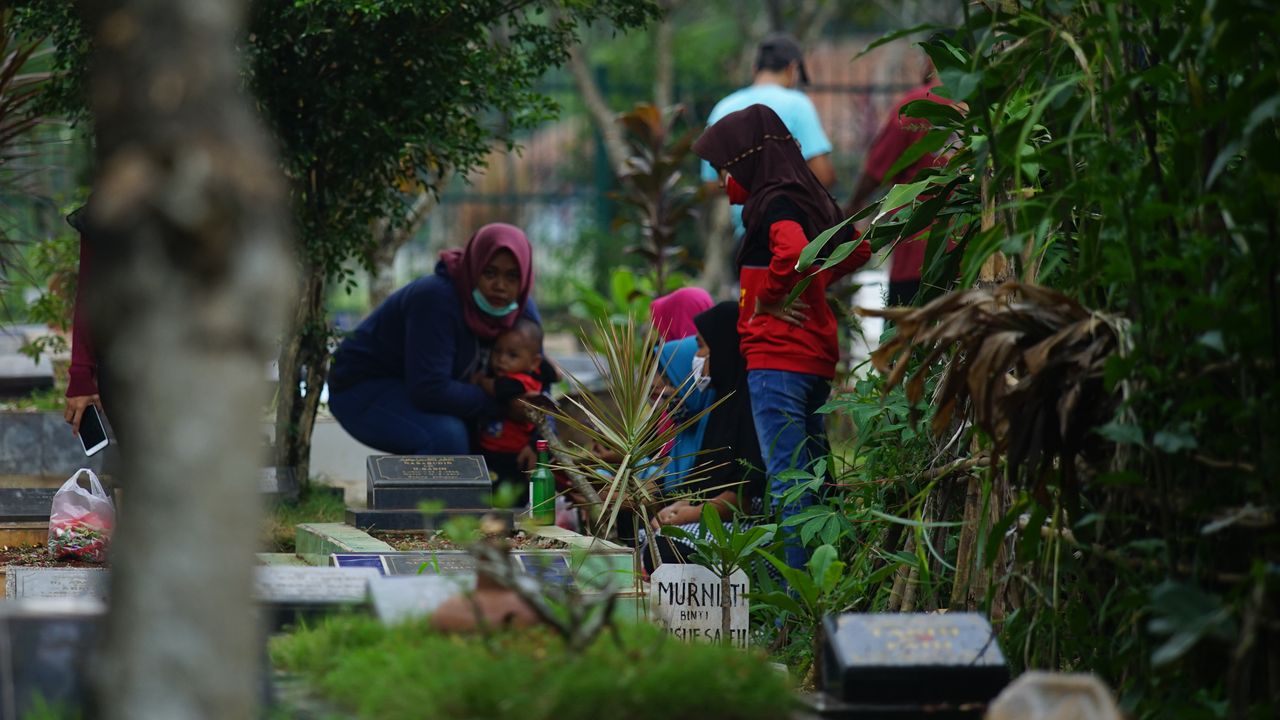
(93,435)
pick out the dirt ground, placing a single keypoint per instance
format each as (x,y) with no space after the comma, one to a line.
(38,556)
(434,540)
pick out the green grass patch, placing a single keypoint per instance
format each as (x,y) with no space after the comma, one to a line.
(45,399)
(412,671)
(315,505)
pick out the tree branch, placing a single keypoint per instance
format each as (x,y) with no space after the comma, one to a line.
(663,58)
(602,115)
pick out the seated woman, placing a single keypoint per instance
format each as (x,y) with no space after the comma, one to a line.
(412,378)
(735,480)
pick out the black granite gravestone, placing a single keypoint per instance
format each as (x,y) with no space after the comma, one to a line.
(949,662)
(25,504)
(401,482)
(45,654)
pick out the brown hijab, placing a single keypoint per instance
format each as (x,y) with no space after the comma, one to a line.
(762,156)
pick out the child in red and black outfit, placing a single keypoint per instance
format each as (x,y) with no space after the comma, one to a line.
(507,444)
(791,350)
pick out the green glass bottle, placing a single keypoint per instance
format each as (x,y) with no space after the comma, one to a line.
(542,490)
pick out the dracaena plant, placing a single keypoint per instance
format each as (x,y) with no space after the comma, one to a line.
(656,196)
(625,428)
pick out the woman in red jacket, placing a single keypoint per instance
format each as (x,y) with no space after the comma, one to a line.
(791,350)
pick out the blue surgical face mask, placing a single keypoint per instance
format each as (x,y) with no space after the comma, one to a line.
(488,309)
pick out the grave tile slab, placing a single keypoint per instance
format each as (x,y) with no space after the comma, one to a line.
(40,582)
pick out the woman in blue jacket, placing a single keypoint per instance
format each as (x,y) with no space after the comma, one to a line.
(411,379)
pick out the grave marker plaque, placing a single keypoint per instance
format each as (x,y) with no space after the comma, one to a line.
(359,560)
(443,562)
(41,582)
(949,659)
(548,568)
(402,481)
(295,585)
(685,599)
(31,504)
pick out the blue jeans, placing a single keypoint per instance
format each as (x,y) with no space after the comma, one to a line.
(379,414)
(785,406)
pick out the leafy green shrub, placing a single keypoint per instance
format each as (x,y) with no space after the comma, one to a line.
(412,671)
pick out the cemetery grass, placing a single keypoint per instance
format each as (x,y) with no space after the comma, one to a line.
(312,506)
(412,671)
(43,400)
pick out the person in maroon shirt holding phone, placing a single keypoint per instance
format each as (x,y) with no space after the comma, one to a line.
(83,385)
(898,134)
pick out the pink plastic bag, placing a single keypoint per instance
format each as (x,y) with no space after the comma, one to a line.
(81,521)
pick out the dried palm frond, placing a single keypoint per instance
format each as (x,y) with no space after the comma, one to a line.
(1026,360)
(627,423)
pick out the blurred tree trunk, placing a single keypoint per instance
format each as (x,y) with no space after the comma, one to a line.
(189,286)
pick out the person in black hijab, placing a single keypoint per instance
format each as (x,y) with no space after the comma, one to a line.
(735,480)
(791,348)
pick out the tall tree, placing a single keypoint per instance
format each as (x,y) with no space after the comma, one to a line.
(190,278)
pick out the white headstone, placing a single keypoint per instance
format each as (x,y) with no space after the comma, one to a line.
(685,599)
(400,598)
(41,582)
(297,584)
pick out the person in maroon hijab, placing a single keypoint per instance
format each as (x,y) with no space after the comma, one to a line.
(412,378)
(791,349)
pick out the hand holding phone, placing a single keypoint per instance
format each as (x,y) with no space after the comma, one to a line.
(93,434)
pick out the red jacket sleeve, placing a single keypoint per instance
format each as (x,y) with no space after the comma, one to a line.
(856,259)
(786,242)
(83,374)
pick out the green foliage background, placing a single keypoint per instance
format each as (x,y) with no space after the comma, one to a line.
(1124,153)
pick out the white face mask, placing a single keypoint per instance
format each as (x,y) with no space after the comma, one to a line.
(702,381)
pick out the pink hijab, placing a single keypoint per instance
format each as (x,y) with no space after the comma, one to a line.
(672,314)
(464,266)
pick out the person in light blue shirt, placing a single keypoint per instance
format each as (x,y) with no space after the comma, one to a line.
(779,70)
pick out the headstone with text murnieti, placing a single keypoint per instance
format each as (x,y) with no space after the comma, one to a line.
(686,600)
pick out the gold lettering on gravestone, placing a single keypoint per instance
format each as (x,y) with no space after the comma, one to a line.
(428,468)
(913,639)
